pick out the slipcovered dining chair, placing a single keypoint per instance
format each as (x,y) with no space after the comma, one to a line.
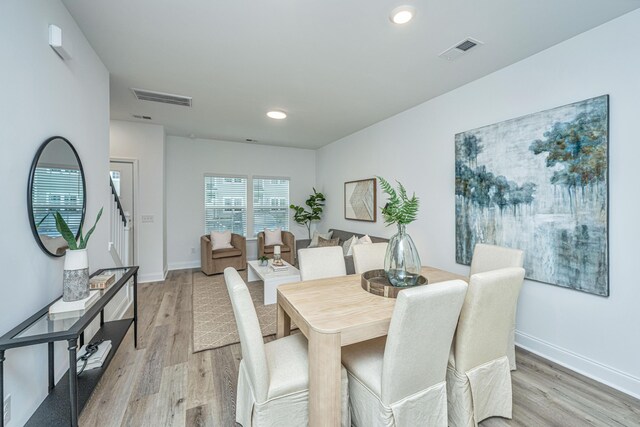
(369,257)
(273,381)
(400,380)
(321,263)
(491,257)
(478,374)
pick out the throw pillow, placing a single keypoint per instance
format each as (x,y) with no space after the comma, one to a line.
(316,235)
(365,240)
(272,237)
(220,240)
(322,242)
(347,248)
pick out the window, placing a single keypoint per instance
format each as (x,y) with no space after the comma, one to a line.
(225,204)
(57,190)
(270,204)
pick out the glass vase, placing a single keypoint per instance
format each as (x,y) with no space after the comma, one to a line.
(402,263)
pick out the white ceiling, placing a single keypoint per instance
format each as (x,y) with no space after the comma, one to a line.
(334,66)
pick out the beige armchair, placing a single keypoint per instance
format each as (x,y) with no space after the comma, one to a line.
(214,262)
(287,249)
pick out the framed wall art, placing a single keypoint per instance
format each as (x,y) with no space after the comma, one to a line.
(360,200)
(540,183)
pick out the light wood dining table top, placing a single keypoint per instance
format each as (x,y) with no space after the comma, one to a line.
(339,304)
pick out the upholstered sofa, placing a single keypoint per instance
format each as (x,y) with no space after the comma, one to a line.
(287,249)
(214,262)
(343,236)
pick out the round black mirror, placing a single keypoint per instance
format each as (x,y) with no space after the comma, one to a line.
(56,184)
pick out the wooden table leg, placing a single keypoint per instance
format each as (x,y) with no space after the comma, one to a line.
(283,323)
(325,408)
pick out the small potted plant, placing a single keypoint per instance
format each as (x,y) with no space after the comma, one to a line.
(75,283)
(264,261)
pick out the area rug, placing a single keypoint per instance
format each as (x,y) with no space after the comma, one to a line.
(214,324)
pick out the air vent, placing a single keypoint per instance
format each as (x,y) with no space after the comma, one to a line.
(164,98)
(138,116)
(460,48)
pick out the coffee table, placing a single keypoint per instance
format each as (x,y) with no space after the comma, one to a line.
(272,279)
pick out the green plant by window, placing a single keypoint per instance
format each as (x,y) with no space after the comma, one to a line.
(315,202)
(67,234)
(400,208)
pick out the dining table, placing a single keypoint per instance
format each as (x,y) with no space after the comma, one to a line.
(333,313)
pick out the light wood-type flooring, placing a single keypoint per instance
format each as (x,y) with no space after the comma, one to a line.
(164,383)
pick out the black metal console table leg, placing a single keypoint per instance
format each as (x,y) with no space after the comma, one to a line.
(2,388)
(73,381)
(135,310)
(51,367)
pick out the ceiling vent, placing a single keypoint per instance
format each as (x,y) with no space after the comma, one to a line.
(460,49)
(164,98)
(138,116)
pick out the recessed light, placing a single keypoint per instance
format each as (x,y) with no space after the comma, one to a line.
(402,14)
(278,115)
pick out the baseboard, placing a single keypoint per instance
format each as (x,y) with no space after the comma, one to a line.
(597,371)
(184,264)
(151,277)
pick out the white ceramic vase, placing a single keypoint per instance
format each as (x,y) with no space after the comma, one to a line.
(75,283)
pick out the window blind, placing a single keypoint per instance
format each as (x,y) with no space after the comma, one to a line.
(57,190)
(270,204)
(225,204)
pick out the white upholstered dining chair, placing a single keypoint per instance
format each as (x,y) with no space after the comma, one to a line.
(369,257)
(273,381)
(321,263)
(491,257)
(478,374)
(400,380)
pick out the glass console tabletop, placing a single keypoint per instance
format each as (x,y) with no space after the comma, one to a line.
(44,325)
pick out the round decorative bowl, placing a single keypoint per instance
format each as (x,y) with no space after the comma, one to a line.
(376,282)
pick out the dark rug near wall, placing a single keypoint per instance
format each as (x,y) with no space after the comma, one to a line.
(214,324)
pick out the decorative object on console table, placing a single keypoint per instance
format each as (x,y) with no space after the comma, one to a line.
(60,309)
(540,183)
(75,284)
(264,261)
(402,262)
(360,200)
(303,217)
(101,281)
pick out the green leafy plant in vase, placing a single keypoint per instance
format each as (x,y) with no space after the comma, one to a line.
(402,264)
(75,283)
(304,217)
(264,261)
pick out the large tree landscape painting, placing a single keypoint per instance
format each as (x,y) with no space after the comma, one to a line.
(540,183)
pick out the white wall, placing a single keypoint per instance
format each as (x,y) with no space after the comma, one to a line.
(145,143)
(187,162)
(44,96)
(594,335)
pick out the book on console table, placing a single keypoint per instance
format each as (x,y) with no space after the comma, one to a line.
(280,267)
(96,360)
(102,281)
(65,310)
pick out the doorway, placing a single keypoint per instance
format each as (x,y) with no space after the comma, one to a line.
(122,172)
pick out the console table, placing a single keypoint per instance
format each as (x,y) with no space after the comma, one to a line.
(67,398)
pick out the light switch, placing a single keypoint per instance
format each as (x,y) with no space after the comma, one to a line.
(147,218)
